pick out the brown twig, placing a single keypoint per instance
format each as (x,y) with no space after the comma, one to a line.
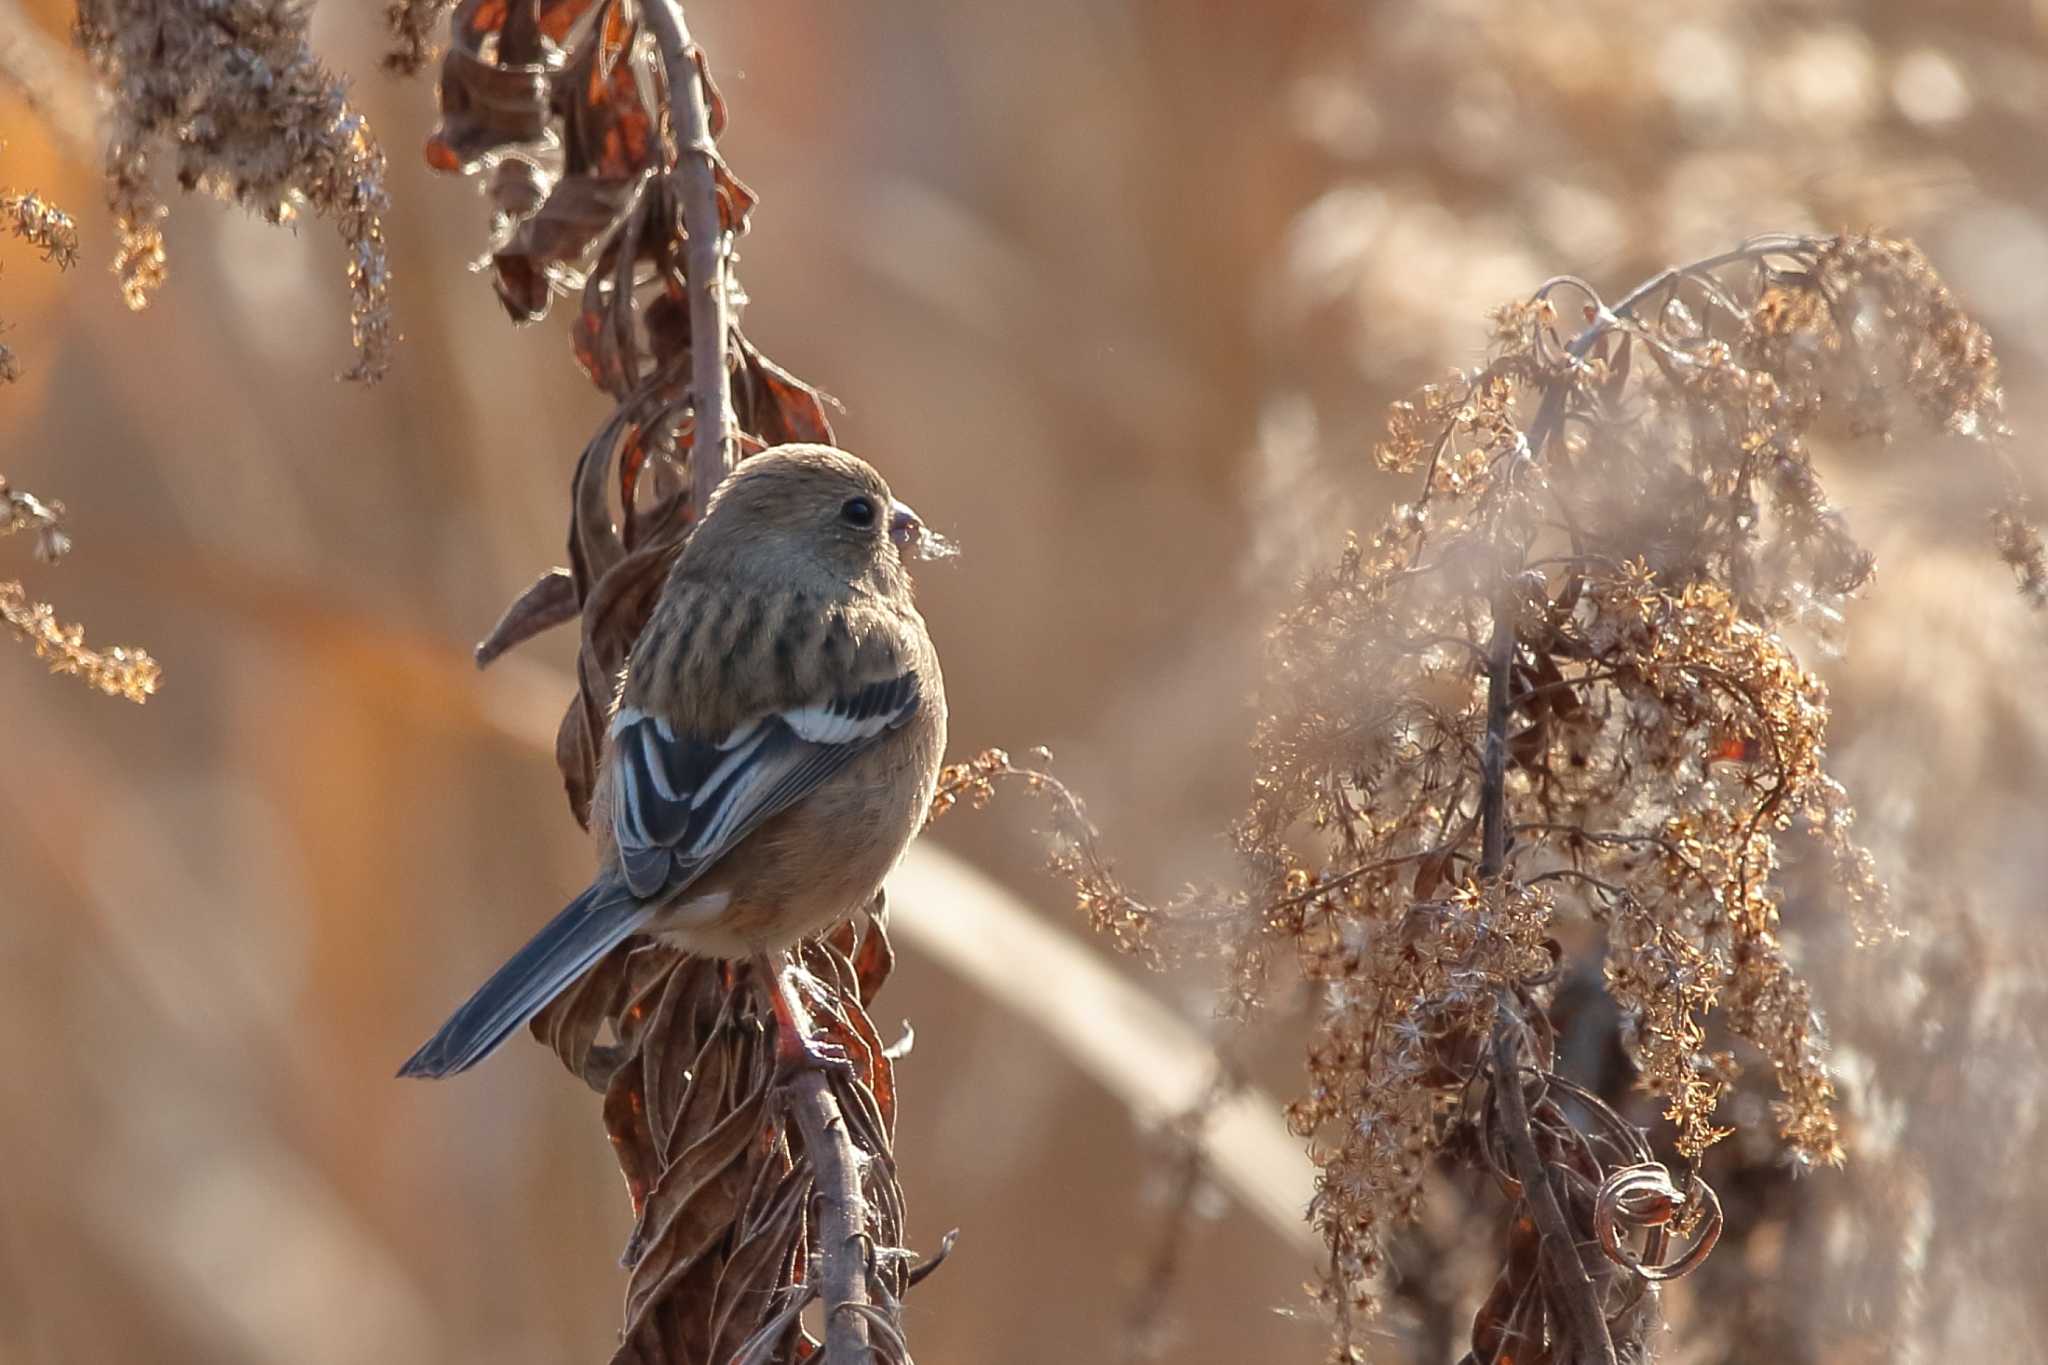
(1493,765)
(842,1277)
(1577,1296)
(696,179)
(1146,1325)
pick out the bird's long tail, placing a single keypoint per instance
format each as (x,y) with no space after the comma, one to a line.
(571,943)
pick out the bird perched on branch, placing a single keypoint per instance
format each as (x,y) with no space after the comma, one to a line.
(775,745)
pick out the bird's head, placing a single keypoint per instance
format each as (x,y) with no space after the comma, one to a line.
(811,516)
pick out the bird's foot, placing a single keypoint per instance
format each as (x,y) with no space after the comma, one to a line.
(797,1052)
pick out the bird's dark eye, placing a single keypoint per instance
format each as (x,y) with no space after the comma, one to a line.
(858,512)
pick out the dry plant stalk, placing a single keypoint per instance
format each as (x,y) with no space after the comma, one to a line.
(231,92)
(594,123)
(1554,700)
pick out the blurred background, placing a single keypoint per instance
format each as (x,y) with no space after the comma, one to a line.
(1115,294)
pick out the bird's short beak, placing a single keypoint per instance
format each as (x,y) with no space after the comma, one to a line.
(912,536)
(905,528)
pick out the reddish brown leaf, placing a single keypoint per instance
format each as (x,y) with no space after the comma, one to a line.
(536,257)
(558,17)
(576,756)
(774,403)
(486,107)
(873,960)
(625,1122)
(760,1265)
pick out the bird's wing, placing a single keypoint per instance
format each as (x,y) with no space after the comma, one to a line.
(680,800)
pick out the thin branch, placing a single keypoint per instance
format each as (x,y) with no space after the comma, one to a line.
(842,1279)
(1583,878)
(1320,889)
(696,180)
(1618,839)
(1146,1324)
(1577,1295)
(1493,764)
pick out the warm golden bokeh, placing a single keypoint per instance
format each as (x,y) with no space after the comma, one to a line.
(1117,297)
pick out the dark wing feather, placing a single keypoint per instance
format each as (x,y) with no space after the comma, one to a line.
(591,926)
(679,801)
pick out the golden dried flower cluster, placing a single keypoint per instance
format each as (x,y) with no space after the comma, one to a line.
(1554,701)
(1075,850)
(42,225)
(1617,524)
(234,93)
(118,672)
(49,230)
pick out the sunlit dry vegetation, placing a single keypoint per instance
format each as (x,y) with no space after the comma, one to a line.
(1595,735)
(1553,701)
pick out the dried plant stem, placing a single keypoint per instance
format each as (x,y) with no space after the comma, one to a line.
(1145,1326)
(842,1232)
(1493,758)
(1578,1296)
(1576,1292)
(696,177)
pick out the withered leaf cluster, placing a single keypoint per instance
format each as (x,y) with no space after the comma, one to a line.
(720,1185)
(562,108)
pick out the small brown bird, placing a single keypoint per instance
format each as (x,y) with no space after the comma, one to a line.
(775,744)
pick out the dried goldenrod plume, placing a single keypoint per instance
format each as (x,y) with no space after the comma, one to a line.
(233,96)
(118,672)
(42,225)
(1548,725)
(26,512)
(1075,852)
(49,230)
